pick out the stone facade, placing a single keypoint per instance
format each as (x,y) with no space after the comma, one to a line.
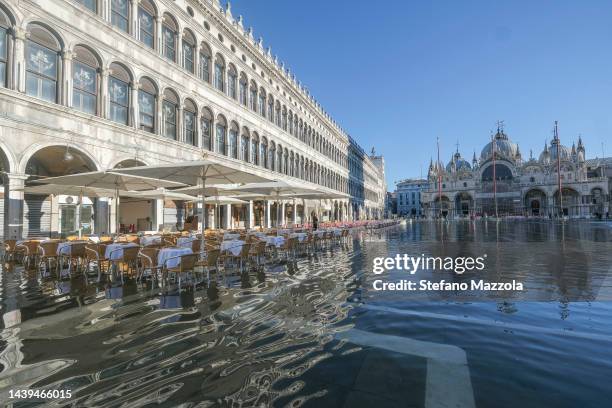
(98,84)
(409,197)
(522,187)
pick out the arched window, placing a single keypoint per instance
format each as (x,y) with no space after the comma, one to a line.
(270,108)
(169,30)
(262,102)
(119,94)
(272,156)
(233,140)
(219,73)
(253,98)
(232,81)
(42,58)
(205,58)
(243,89)
(5,26)
(263,153)
(221,132)
(255,148)
(146,23)
(206,129)
(189,51)
(169,114)
(189,122)
(85,68)
(244,144)
(147,102)
(120,14)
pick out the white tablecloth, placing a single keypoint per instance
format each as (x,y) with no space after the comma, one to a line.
(94,239)
(115,251)
(272,240)
(319,233)
(301,236)
(167,253)
(185,242)
(64,248)
(150,240)
(233,246)
(230,237)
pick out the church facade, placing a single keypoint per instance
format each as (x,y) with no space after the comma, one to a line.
(501,182)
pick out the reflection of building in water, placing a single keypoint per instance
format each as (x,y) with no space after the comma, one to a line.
(522,187)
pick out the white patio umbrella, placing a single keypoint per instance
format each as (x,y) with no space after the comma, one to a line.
(110,180)
(196,173)
(276,190)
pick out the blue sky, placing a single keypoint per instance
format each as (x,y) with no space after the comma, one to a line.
(398,74)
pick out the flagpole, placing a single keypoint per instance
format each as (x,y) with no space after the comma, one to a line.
(559,170)
(439,177)
(493,144)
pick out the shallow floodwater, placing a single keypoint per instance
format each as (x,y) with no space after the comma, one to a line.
(315,332)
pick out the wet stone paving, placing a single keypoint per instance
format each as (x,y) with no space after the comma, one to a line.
(313,331)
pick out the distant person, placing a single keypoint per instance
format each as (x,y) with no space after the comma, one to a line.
(315,222)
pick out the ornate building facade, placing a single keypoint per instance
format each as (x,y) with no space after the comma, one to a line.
(501,180)
(97,84)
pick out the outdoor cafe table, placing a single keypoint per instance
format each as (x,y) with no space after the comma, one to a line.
(301,236)
(319,233)
(166,253)
(233,246)
(147,240)
(185,242)
(115,251)
(64,248)
(230,236)
(273,240)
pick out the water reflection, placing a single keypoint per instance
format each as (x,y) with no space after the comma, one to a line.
(270,336)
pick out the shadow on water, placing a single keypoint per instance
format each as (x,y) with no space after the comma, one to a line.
(313,332)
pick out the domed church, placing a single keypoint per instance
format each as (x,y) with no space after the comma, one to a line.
(501,182)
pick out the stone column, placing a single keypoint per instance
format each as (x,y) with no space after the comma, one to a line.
(158,34)
(158,115)
(282,218)
(101,214)
(228,216)
(294,211)
(134,108)
(250,215)
(66,85)
(13,205)
(103,101)
(54,214)
(19,60)
(159,215)
(180,134)
(134,18)
(267,214)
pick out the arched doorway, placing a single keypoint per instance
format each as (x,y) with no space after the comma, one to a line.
(441,208)
(463,204)
(596,204)
(46,215)
(570,203)
(535,202)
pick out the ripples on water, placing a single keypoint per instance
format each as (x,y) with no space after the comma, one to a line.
(312,332)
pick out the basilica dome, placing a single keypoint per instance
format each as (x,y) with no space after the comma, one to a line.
(459,163)
(549,154)
(503,147)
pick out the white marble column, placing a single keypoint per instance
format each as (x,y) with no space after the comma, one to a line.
(13,205)
(250,215)
(159,215)
(267,214)
(54,213)
(103,102)
(228,216)
(282,219)
(19,60)
(66,86)
(134,18)
(134,108)
(294,211)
